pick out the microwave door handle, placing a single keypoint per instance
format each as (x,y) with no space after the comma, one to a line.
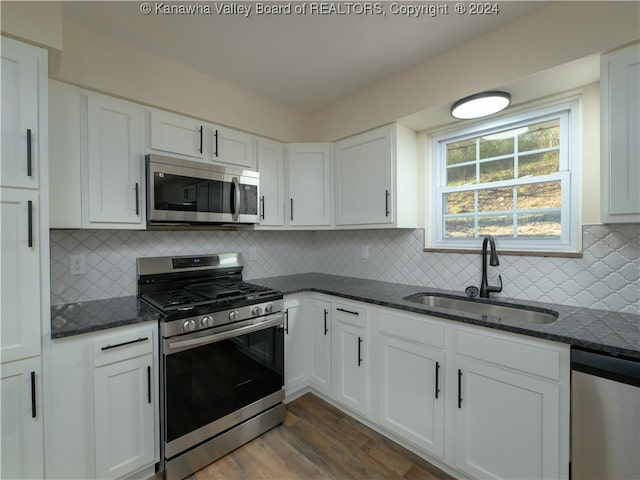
(236,199)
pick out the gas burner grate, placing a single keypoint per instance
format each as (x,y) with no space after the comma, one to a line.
(174,299)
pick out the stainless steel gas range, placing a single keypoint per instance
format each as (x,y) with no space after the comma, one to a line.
(222,357)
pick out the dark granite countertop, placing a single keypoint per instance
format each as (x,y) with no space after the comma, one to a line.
(600,330)
(77,318)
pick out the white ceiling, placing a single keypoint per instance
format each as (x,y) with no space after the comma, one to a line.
(305,61)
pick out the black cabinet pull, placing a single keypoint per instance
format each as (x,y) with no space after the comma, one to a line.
(437,379)
(262,207)
(29,223)
(29,154)
(216,138)
(149,384)
(350,312)
(33,394)
(201,135)
(459,388)
(291,210)
(137,198)
(359,351)
(130,342)
(386,203)
(326,330)
(286,321)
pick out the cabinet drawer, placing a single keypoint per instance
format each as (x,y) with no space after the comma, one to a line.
(122,347)
(515,353)
(351,314)
(412,329)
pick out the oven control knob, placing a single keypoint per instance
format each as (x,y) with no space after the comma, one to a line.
(188,325)
(233,315)
(268,308)
(207,321)
(256,311)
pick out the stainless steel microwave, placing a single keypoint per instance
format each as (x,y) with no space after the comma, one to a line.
(186,192)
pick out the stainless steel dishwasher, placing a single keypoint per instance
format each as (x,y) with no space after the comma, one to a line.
(605,417)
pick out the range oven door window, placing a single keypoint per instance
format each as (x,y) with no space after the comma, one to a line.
(206,383)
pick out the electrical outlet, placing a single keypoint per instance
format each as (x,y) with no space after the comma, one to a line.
(77,265)
(364,251)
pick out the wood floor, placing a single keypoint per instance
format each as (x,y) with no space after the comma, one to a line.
(318,441)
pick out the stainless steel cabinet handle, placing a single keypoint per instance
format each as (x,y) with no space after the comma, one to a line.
(359,351)
(29,154)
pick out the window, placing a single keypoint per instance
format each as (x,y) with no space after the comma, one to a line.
(511,178)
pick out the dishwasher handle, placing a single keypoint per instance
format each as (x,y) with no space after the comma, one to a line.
(601,365)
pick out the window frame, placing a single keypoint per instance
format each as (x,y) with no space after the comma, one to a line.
(568,111)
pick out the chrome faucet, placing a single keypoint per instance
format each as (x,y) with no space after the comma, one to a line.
(485,288)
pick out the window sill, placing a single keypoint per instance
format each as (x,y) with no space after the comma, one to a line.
(520,253)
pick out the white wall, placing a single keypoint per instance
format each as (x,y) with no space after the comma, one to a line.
(38,22)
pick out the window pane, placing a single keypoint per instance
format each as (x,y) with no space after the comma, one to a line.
(496,225)
(539,195)
(539,163)
(540,135)
(460,227)
(496,170)
(496,145)
(459,202)
(459,152)
(461,175)
(539,225)
(495,199)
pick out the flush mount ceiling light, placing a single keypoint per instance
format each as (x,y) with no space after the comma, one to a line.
(480,105)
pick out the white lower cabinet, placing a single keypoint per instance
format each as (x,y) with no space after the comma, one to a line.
(295,347)
(21,443)
(480,402)
(512,410)
(320,326)
(350,351)
(411,368)
(105,398)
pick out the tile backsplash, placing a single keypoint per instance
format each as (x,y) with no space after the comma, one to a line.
(606,277)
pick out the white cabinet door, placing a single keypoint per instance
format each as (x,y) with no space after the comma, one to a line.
(20,293)
(124,417)
(113,179)
(620,107)
(295,348)
(309,169)
(176,134)
(232,147)
(20,118)
(272,187)
(321,330)
(21,437)
(65,180)
(411,392)
(507,423)
(350,352)
(363,175)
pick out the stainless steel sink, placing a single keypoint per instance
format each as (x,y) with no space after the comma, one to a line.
(519,313)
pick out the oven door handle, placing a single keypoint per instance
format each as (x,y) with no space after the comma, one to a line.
(270,321)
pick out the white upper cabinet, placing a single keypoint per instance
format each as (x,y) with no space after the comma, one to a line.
(271,164)
(113,164)
(232,147)
(376,179)
(176,134)
(21,136)
(620,142)
(309,182)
